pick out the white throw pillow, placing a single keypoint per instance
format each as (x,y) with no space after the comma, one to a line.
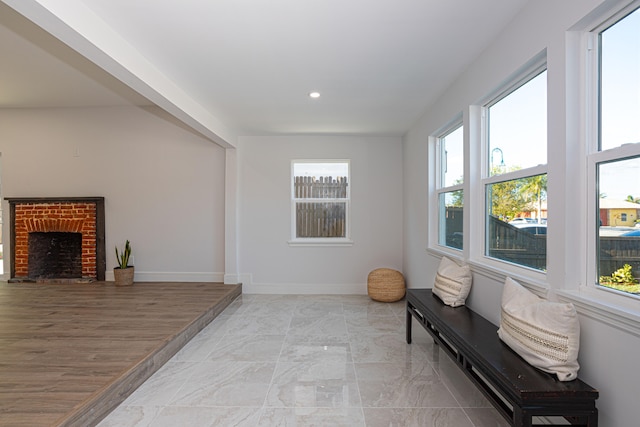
(453,282)
(546,334)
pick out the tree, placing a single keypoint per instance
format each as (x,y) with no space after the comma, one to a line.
(535,188)
(457,196)
(507,198)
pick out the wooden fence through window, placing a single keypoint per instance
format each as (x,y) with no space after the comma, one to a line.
(518,246)
(512,244)
(616,251)
(325,217)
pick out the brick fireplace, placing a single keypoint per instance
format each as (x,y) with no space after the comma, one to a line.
(57,239)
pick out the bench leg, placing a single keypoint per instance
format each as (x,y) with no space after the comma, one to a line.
(408,325)
(521,418)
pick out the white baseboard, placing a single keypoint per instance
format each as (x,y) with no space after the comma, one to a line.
(304,288)
(232,279)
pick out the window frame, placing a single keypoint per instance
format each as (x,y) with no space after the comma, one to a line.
(480,257)
(320,241)
(596,156)
(603,304)
(439,188)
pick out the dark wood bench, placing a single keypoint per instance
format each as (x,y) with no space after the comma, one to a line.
(516,389)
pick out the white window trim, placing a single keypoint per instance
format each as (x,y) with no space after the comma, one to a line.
(436,186)
(595,157)
(614,308)
(496,267)
(320,241)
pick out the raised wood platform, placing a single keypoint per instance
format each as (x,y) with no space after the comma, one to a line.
(70,353)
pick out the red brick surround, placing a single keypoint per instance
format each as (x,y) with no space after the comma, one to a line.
(77,215)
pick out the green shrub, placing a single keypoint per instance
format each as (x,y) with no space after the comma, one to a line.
(621,275)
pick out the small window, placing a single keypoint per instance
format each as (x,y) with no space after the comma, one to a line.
(320,201)
(515,178)
(450,194)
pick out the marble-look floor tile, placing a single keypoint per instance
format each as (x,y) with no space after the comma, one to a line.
(215,329)
(486,417)
(372,324)
(319,325)
(325,298)
(315,384)
(238,306)
(408,385)
(277,323)
(247,348)
(226,384)
(306,417)
(399,308)
(163,385)
(366,307)
(308,360)
(465,392)
(173,416)
(198,348)
(269,298)
(316,348)
(386,348)
(416,417)
(270,307)
(131,416)
(317,308)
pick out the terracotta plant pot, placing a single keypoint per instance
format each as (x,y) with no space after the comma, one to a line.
(123,276)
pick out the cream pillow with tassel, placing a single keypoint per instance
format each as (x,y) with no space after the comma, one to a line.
(545,334)
(453,282)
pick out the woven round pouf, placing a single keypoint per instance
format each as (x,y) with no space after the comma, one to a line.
(385,285)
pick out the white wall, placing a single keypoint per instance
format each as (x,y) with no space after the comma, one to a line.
(163,185)
(608,355)
(269,263)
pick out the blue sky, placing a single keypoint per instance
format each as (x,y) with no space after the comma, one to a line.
(518,123)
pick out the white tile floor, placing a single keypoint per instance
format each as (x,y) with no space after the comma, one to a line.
(281,360)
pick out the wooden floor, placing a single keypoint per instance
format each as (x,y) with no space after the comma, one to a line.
(70,353)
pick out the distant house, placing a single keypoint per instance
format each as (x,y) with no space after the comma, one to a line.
(532,212)
(618,212)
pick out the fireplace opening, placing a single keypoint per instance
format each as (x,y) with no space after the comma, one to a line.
(55,255)
(64,232)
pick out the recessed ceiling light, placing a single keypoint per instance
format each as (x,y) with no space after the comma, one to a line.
(314,94)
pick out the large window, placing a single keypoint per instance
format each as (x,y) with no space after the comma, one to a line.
(320,201)
(515,175)
(449,184)
(615,155)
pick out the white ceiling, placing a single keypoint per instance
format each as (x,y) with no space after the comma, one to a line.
(251,63)
(37,70)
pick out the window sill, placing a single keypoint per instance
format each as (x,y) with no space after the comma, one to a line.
(590,302)
(320,242)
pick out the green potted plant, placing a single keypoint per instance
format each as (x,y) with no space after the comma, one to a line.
(123,274)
